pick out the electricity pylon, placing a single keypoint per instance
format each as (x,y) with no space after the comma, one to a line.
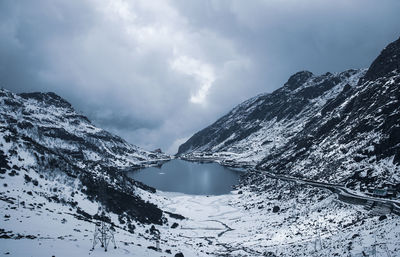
(103,234)
(103,231)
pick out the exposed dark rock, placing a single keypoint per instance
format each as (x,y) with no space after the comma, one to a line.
(298,79)
(275,209)
(175,216)
(382,217)
(387,62)
(153,248)
(47,98)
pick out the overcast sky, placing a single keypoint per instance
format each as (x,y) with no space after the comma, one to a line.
(155,72)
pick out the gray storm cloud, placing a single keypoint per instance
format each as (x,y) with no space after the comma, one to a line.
(155,72)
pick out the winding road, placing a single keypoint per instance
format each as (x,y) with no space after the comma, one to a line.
(345,194)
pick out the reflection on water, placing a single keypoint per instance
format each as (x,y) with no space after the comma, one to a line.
(189,177)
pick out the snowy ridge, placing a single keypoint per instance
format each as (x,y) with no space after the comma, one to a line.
(268,121)
(51,121)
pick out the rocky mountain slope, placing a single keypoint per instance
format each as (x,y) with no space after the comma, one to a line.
(46,146)
(341,127)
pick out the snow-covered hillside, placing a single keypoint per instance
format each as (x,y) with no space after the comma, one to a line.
(43,138)
(341,127)
(57,167)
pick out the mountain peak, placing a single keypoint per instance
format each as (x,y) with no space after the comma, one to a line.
(50,98)
(387,62)
(298,79)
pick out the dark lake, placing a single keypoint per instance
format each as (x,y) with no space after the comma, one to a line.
(189,177)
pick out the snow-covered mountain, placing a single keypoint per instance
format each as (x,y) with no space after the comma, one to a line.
(51,121)
(341,127)
(266,122)
(46,144)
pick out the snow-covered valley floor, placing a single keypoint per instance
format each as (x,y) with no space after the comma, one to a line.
(246,225)
(283,222)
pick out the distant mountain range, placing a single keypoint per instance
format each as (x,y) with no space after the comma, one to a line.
(341,127)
